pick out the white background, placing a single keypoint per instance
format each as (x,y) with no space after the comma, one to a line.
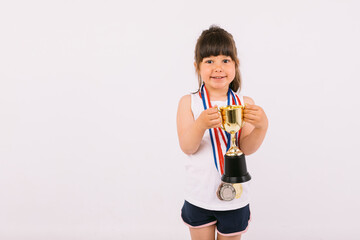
(88,99)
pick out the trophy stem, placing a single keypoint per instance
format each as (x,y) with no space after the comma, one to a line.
(233,140)
(233,150)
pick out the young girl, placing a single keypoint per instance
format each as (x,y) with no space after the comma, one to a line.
(201,138)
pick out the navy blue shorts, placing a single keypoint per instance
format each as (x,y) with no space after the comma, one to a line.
(228,223)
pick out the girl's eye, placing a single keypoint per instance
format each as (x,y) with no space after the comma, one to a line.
(209,61)
(226,60)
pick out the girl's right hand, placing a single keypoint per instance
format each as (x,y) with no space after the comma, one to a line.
(210,118)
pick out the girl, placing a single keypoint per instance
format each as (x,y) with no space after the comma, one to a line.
(198,120)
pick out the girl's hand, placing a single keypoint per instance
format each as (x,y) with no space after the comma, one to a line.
(210,118)
(256,116)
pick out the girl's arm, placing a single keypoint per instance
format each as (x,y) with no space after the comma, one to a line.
(190,131)
(255,127)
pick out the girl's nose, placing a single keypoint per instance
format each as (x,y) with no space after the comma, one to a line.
(218,68)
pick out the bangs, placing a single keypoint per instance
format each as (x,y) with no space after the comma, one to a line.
(217,44)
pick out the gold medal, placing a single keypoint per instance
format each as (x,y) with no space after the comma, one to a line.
(238,189)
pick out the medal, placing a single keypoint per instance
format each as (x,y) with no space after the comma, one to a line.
(229,191)
(226,192)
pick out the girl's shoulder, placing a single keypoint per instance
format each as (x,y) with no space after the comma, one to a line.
(185,103)
(248,100)
(186,99)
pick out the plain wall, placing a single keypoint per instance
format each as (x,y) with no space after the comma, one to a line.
(88,100)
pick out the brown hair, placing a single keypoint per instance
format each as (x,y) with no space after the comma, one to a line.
(213,42)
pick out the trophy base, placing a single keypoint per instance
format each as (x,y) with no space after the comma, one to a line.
(240,179)
(235,170)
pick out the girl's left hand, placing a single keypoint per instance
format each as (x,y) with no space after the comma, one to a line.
(256,116)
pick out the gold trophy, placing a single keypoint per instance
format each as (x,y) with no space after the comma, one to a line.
(235,170)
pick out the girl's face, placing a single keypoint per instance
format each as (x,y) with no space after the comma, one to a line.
(217,72)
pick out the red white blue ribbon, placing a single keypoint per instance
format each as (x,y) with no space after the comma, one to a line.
(217,135)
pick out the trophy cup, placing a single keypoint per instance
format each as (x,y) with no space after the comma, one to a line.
(235,170)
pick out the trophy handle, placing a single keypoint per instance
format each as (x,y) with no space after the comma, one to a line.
(222,127)
(243,108)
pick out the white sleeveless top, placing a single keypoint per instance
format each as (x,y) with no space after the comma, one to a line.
(202,177)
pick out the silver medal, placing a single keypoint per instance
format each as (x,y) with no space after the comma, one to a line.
(226,192)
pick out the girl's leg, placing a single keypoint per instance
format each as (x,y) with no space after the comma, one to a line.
(221,237)
(204,233)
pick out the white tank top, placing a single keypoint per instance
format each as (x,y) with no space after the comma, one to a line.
(202,177)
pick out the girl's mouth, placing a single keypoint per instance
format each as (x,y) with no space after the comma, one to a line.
(218,77)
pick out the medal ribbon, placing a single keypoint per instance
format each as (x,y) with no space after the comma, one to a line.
(216,133)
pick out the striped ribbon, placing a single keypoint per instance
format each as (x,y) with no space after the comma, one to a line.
(217,133)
